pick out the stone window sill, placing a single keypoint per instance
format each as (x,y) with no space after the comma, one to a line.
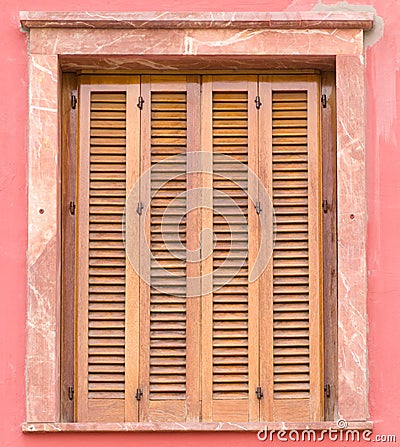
(53,427)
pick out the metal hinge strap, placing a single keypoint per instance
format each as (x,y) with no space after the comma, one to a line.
(325,206)
(139,394)
(70,392)
(139,208)
(258,102)
(140,102)
(72,208)
(74,101)
(259,392)
(323,101)
(327,389)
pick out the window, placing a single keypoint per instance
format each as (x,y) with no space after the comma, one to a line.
(69,43)
(209,306)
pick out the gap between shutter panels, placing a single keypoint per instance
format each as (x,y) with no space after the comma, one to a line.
(230,275)
(168,241)
(107,194)
(291,350)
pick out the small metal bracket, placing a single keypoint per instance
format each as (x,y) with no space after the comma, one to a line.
(139,208)
(258,102)
(258,208)
(259,392)
(140,102)
(70,392)
(323,101)
(74,101)
(327,390)
(139,394)
(72,208)
(325,206)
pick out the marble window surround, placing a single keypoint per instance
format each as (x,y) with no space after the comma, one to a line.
(170,41)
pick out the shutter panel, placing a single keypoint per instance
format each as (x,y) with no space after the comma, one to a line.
(230,313)
(291,340)
(169,362)
(105,340)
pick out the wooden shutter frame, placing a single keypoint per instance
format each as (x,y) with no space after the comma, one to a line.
(103,409)
(269,408)
(188,409)
(68,184)
(213,409)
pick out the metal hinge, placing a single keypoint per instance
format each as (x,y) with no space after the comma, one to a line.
(140,102)
(327,389)
(139,394)
(258,208)
(74,100)
(258,102)
(70,392)
(325,205)
(323,101)
(139,208)
(259,392)
(72,208)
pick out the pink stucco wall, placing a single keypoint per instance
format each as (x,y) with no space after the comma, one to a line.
(383,181)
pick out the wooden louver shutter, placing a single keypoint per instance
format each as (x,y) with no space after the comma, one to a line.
(106,284)
(169,354)
(291,342)
(229,309)
(187,324)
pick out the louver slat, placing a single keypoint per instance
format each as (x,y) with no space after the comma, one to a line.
(230,366)
(292,329)
(104,343)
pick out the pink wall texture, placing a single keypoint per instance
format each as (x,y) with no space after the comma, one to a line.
(383,183)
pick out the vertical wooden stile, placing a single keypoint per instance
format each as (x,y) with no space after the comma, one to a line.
(132,225)
(329,217)
(266,278)
(193,265)
(68,166)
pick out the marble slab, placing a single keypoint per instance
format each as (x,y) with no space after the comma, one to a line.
(43,256)
(352,232)
(192,20)
(189,42)
(152,63)
(192,426)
